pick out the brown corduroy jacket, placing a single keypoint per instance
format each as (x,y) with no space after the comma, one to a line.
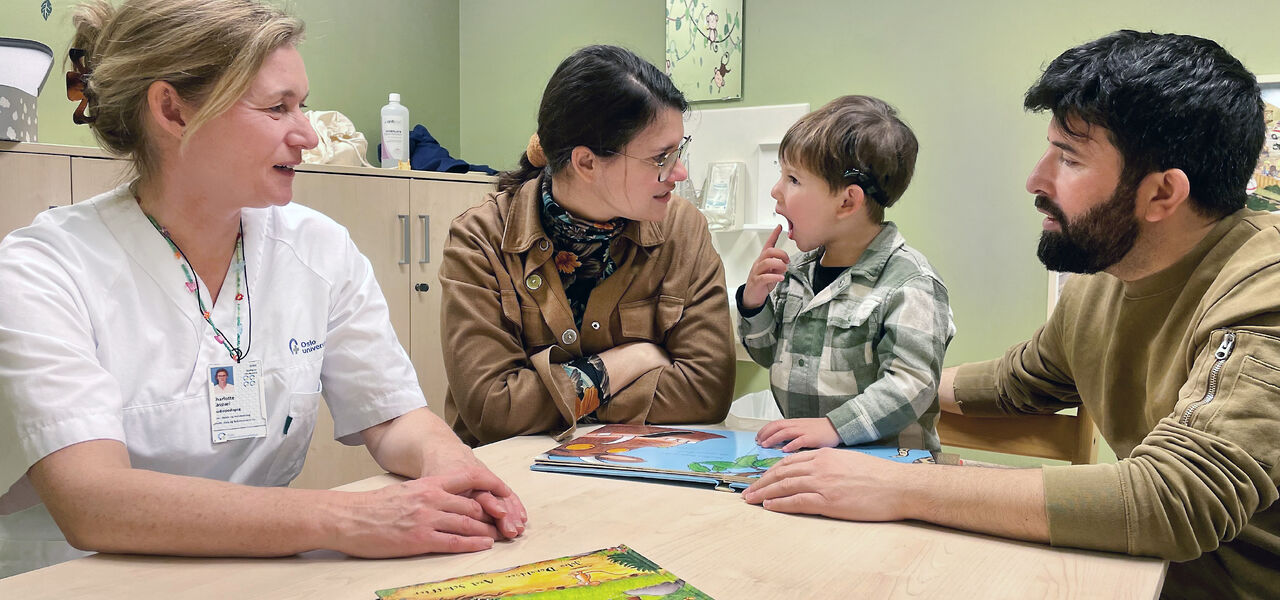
(506,326)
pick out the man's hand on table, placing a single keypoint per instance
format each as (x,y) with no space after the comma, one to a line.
(835,483)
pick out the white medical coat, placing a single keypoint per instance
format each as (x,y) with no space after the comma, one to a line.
(100,339)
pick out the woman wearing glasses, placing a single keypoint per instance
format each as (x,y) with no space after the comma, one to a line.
(583,290)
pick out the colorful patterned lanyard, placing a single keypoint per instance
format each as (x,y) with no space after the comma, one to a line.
(193,286)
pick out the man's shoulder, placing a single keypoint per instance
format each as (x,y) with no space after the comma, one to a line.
(1252,247)
(1252,260)
(1260,220)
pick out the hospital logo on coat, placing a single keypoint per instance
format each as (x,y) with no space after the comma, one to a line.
(307,347)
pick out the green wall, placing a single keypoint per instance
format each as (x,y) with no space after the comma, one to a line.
(356,52)
(956,70)
(509,49)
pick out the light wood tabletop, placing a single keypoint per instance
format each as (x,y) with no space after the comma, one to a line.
(712,539)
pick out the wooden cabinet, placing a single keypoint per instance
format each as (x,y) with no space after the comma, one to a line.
(93,176)
(398,219)
(433,207)
(403,235)
(373,210)
(401,225)
(30,183)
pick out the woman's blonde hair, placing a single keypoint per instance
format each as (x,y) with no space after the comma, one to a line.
(208,50)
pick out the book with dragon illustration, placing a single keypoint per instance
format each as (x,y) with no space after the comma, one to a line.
(612,573)
(724,458)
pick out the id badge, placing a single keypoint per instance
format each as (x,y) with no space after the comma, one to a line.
(237,408)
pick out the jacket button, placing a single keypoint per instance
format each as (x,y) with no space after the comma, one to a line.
(534,281)
(543,245)
(595,324)
(570,336)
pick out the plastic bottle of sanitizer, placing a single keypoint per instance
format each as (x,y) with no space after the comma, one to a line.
(395,134)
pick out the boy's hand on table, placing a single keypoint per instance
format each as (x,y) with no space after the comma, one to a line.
(799,434)
(765,273)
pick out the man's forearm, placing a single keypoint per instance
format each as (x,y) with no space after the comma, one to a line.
(1003,502)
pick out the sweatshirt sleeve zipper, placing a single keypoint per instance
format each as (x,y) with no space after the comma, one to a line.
(1220,358)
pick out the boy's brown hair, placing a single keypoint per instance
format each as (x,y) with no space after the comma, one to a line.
(855,140)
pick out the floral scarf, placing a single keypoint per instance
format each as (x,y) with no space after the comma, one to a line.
(581,250)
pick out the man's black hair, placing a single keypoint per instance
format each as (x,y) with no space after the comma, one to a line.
(1168,102)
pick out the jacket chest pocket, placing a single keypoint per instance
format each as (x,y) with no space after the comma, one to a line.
(790,308)
(535,330)
(527,320)
(651,318)
(846,315)
(853,330)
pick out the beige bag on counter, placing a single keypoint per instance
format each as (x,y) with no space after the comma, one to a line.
(340,143)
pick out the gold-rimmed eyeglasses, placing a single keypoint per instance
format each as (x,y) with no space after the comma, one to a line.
(666,162)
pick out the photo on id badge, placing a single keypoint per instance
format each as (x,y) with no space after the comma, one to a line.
(222,382)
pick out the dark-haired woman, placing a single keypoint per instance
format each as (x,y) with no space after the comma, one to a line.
(584,290)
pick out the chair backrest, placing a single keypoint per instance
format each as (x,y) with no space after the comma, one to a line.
(1061,436)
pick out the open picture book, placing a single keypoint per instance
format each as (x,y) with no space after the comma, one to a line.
(727,459)
(617,573)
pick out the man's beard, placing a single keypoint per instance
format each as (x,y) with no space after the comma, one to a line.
(1093,242)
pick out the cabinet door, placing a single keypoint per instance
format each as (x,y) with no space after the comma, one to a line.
(375,210)
(434,205)
(93,176)
(32,183)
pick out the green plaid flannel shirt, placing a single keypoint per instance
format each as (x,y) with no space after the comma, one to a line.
(866,352)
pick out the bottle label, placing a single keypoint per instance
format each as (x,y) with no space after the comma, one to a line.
(394,139)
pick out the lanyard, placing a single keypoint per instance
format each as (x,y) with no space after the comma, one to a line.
(193,286)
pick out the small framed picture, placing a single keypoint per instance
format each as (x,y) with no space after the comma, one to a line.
(1264,185)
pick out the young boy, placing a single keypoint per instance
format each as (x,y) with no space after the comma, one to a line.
(855,333)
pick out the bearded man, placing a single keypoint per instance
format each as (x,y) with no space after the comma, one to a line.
(1170,337)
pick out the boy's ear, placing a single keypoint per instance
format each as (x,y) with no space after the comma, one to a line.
(852,201)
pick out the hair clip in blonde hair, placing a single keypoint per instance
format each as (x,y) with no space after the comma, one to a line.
(534,152)
(77,78)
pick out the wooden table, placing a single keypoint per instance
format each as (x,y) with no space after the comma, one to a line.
(712,539)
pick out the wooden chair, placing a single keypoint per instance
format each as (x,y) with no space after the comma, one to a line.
(1061,436)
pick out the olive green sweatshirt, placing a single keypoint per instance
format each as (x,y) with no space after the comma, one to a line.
(1181,372)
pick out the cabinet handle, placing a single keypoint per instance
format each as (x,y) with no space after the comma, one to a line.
(404,239)
(421,287)
(426,240)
